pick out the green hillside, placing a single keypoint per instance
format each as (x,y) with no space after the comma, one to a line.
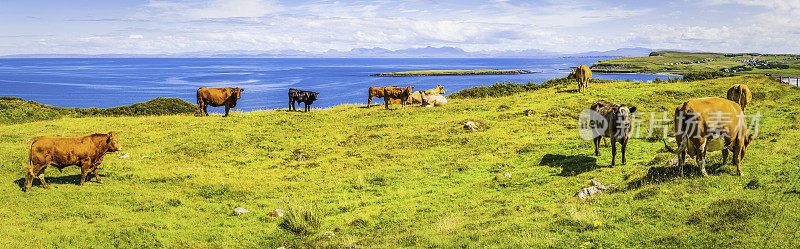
(411,178)
(684,62)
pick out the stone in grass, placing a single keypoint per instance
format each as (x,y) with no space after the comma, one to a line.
(276,213)
(240,211)
(596,189)
(126,155)
(471,126)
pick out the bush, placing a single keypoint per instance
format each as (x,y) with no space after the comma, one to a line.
(499,89)
(704,76)
(16,110)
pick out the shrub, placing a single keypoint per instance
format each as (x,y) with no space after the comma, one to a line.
(704,76)
(16,110)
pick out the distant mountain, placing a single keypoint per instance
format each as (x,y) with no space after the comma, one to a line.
(622,52)
(376,52)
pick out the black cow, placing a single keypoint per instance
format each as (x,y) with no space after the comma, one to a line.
(301,96)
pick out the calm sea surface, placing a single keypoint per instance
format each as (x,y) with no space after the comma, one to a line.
(114,82)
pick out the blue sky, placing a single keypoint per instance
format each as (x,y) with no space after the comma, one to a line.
(177,26)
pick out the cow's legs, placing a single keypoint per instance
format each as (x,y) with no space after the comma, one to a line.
(624,147)
(97,172)
(701,162)
(738,154)
(30,174)
(613,150)
(386,100)
(84,172)
(369,101)
(681,161)
(291,104)
(725,156)
(227,109)
(596,145)
(306,109)
(41,178)
(205,110)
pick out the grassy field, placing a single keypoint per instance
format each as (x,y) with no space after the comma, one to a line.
(412,178)
(684,62)
(451,72)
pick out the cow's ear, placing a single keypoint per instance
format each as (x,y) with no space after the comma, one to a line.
(241,90)
(632,109)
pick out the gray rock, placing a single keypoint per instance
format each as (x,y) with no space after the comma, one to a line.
(471,126)
(240,210)
(126,155)
(589,192)
(276,213)
(597,184)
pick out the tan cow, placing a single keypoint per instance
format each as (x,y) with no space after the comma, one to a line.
(217,97)
(582,74)
(740,94)
(390,93)
(431,100)
(86,152)
(377,92)
(416,98)
(710,124)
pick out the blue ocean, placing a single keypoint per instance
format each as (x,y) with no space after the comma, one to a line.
(94,82)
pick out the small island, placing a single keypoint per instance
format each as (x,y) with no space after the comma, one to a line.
(452,73)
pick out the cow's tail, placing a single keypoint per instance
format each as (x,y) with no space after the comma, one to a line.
(681,146)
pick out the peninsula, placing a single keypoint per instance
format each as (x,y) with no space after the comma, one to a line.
(452,72)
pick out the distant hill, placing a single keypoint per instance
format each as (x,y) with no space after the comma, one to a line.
(376,52)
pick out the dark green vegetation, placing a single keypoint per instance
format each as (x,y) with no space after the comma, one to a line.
(412,178)
(685,62)
(16,110)
(451,72)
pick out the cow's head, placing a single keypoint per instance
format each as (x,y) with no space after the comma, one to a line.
(623,115)
(113,144)
(438,90)
(312,96)
(573,74)
(238,92)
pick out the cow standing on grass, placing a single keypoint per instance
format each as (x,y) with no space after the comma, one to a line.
(390,93)
(710,124)
(617,122)
(301,96)
(740,94)
(86,152)
(582,75)
(217,97)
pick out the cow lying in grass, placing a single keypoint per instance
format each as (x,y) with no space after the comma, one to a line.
(617,120)
(300,96)
(430,100)
(402,94)
(86,152)
(416,97)
(710,124)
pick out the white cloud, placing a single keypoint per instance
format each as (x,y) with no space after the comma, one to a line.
(135,37)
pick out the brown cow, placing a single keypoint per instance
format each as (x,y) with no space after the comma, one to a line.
(377,92)
(582,74)
(616,122)
(710,124)
(86,152)
(217,97)
(390,93)
(740,94)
